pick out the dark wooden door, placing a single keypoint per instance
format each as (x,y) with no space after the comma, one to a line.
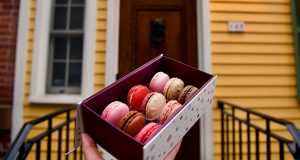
(149,28)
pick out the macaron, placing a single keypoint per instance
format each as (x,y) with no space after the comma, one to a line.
(169,110)
(147,132)
(152,105)
(132,122)
(136,96)
(186,93)
(114,111)
(173,88)
(158,82)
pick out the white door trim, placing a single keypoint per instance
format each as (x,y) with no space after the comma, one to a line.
(204,63)
(204,60)
(20,67)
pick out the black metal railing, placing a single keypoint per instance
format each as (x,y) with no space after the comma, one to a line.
(23,145)
(238,127)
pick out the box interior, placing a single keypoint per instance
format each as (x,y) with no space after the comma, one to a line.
(110,137)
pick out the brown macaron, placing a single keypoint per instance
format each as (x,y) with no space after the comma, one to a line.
(173,88)
(186,93)
(132,122)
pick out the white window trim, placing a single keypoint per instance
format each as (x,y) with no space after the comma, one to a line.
(40,55)
(204,61)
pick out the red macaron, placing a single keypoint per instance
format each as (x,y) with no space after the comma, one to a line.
(136,96)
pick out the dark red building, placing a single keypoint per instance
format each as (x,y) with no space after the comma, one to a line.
(8,34)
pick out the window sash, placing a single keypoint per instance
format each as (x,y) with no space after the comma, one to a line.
(68,33)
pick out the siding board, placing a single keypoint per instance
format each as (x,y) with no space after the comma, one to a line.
(252,38)
(251,17)
(101,25)
(261,102)
(282,113)
(261,48)
(254,1)
(254,59)
(228,81)
(250,7)
(254,91)
(263,70)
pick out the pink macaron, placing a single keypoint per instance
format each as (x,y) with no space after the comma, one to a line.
(158,82)
(147,132)
(136,96)
(114,112)
(169,110)
(152,105)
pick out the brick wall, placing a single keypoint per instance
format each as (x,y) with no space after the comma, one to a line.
(8,33)
(9,10)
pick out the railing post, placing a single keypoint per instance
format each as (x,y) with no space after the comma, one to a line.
(233,133)
(268,139)
(281,150)
(38,150)
(248,136)
(59,144)
(240,140)
(257,143)
(221,107)
(227,136)
(49,139)
(67,134)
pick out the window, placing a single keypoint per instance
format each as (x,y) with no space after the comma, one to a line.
(66,47)
(296,27)
(64,42)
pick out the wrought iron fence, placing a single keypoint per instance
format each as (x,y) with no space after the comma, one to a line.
(236,120)
(22,146)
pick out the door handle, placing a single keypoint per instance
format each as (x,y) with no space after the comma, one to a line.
(157,30)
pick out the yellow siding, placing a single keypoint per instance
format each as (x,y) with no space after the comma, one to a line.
(256,69)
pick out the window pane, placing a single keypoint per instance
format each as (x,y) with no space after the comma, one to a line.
(76,21)
(74,74)
(60,48)
(58,74)
(60,17)
(298,12)
(76,48)
(61,1)
(77,1)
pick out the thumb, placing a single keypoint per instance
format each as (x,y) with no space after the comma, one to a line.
(90,149)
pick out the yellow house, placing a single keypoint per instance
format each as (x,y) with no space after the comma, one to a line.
(256,67)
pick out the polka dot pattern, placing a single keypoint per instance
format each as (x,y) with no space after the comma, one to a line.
(167,138)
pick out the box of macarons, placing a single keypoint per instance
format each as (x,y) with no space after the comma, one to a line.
(147,112)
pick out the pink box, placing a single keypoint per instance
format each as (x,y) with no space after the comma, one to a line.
(123,146)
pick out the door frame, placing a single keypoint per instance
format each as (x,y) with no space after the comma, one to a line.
(204,60)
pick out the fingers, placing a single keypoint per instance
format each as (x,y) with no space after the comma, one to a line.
(90,148)
(173,152)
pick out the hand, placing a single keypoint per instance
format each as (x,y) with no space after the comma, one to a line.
(173,152)
(89,148)
(91,151)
